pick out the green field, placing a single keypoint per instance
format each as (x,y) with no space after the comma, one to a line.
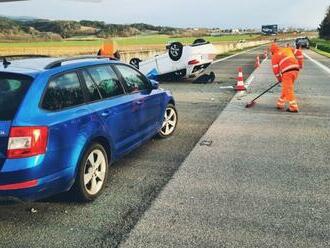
(321,46)
(136,40)
(163,39)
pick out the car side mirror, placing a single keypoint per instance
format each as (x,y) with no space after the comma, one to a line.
(154,84)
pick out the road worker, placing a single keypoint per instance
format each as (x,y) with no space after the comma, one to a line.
(109,48)
(286,68)
(298,54)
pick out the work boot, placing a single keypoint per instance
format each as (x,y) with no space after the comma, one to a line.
(280,104)
(293,107)
(292,111)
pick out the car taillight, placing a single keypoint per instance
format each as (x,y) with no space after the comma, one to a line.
(27,141)
(193,62)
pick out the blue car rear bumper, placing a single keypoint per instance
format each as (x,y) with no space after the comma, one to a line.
(36,188)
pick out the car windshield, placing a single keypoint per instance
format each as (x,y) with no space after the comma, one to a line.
(12,91)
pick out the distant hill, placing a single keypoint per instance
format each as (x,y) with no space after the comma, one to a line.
(21,18)
(32,28)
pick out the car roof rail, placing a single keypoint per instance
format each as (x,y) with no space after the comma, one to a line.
(59,62)
(6,62)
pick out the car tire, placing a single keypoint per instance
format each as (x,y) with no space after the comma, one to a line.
(212,77)
(205,78)
(200,42)
(175,51)
(135,62)
(170,122)
(92,174)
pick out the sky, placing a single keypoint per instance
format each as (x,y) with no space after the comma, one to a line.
(177,13)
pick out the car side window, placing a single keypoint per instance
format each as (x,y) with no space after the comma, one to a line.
(135,81)
(93,91)
(62,92)
(106,80)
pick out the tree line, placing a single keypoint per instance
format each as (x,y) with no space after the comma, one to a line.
(67,29)
(324,29)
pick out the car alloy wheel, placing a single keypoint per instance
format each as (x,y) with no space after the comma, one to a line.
(175,51)
(170,121)
(135,62)
(95,172)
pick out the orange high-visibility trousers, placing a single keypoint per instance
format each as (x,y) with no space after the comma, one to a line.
(288,79)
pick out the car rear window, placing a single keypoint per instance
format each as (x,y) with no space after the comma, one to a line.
(13,88)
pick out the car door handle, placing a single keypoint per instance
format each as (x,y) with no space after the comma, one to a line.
(139,102)
(106,113)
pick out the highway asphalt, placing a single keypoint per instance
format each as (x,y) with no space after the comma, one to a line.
(134,182)
(263,181)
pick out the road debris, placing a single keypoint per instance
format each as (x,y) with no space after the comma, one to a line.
(33,210)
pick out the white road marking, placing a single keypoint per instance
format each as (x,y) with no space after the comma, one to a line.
(226,87)
(250,79)
(324,67)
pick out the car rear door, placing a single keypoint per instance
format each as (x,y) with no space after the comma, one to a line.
(114,108)
(146,102)
(13,88)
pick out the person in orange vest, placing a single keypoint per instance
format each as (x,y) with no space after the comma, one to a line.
(299,56)
(286,68)
(109,48)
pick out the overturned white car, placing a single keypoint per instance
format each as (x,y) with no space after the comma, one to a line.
(179,62)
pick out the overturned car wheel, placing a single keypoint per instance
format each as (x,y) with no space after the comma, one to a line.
(175,51)
(135,62)
(199,42)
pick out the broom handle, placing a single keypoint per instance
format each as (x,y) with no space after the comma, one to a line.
(263,93)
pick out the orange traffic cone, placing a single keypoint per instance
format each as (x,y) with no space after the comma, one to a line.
(257,62)
(240,80)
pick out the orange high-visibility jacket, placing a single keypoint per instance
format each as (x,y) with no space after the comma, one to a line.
(283,61)
(299,56)
(108,48)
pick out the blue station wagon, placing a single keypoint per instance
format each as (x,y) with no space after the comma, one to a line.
(63,122)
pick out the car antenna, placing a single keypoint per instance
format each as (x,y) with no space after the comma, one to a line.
(5,62)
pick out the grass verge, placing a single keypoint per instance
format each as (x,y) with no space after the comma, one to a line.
(321,46)
(320,52)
